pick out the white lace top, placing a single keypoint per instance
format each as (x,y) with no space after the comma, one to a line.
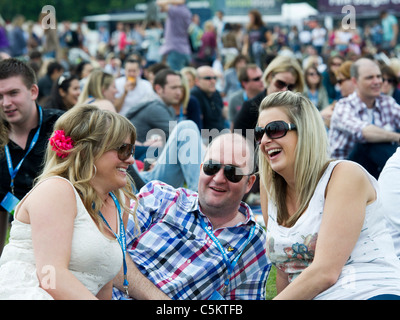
(95,259)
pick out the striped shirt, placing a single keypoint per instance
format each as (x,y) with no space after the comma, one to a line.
(351,116)
(178,256)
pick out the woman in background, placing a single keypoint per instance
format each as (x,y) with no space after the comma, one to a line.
(314,90)
(64,94)
(99,90)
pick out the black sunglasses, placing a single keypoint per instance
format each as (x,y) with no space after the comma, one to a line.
(274,130)
(283,85)
(388,80)
(254,79)
(209,78)
(232,173)
(125,151)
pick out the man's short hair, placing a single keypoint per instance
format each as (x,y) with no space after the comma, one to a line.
(54,66)
(161,77)
(13,67)
(355,67)
(130,60)
(243,76)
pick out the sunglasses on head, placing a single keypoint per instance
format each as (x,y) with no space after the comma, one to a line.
(274,130)
(283,85)
(232,173)
(125,151)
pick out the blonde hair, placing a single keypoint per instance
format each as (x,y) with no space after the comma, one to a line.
(97,81)
(94,132)
(285,64)
(344,69)
(312,154)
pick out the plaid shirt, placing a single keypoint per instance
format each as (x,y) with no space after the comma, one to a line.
(176,254)
(351,115)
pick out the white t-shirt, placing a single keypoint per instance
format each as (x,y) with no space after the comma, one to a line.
(372,268)
(141,93)
(389,182)
(318,36)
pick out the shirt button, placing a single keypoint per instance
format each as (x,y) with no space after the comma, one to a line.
(189,261)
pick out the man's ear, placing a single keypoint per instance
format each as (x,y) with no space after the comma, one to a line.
(250,182)
(34,91)
(158,89)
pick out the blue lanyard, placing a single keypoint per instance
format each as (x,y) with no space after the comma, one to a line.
(13,172)
(230,265)
(121,239)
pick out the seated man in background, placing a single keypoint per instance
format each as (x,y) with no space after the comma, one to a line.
(364,124)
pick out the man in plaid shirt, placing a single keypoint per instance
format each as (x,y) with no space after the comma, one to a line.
(204,245)
(364,124)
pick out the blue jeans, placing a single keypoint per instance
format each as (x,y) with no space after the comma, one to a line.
(177,60)
(180,159)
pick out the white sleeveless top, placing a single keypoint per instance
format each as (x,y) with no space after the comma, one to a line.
(95,259)
(372,268)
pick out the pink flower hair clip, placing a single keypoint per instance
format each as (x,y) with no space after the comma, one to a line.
(61,143)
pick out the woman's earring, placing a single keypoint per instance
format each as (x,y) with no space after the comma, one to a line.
(95,171)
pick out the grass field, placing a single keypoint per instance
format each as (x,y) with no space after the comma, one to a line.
(270,288)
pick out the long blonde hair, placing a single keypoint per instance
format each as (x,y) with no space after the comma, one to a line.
(94,132)
(312,155)
(97,81)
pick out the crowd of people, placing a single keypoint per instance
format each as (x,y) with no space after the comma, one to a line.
(125,171)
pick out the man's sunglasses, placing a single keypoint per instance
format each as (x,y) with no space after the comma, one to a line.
(232,173)
(283,85)
(209,78)
(256,79)
(274,130)
(125,151)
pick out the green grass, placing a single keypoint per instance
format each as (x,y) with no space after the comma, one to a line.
(270,288)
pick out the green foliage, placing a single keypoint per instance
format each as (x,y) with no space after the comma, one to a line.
(74,10)
(65,9)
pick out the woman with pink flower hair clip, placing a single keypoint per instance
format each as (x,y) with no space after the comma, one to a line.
(67,240)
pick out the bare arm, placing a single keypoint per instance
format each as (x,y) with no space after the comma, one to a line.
(51,210)
(375,134)
(281,281)
(140,288)
(343,203)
